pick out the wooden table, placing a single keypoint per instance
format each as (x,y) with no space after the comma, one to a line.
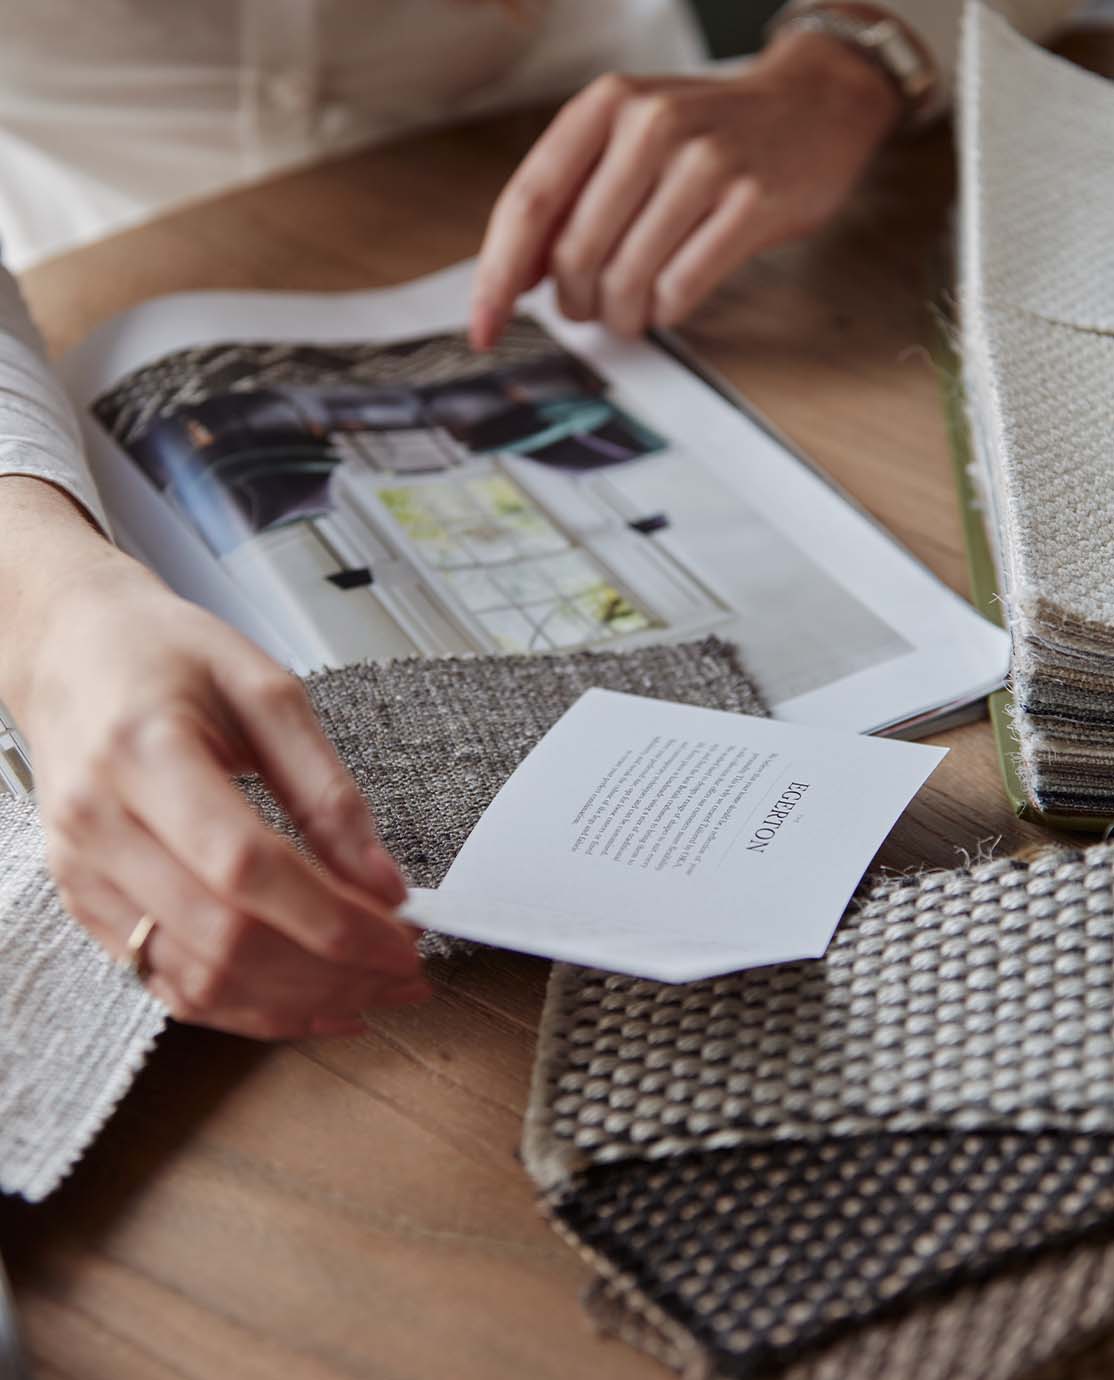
(355,1208)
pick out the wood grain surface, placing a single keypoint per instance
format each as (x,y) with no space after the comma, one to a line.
(355,1208)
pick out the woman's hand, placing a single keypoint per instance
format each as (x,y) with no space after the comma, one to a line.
(138,708)
(643,195)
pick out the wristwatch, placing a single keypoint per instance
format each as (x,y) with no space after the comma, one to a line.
(882,41)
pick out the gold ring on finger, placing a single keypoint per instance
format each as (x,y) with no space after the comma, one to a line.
(135,950)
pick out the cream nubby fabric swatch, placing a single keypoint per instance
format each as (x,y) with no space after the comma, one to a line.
(75,1028)
(1037,144)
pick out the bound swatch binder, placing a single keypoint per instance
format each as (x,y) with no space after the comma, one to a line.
(1036,438)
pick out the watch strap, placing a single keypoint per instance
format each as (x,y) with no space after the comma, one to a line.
(880,40)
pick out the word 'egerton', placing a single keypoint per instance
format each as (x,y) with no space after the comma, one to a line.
(783,807)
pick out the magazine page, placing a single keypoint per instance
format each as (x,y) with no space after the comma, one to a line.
(343,478)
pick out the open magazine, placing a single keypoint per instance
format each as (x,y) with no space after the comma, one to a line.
(342,478)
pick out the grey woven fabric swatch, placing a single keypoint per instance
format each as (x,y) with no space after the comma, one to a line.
(756,1162)
(74,1028)
(430,742)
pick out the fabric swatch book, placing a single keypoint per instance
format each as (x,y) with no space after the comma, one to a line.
(1037,298)
(343,479)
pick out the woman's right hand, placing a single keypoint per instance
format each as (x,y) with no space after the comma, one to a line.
(645,193)
(139,708)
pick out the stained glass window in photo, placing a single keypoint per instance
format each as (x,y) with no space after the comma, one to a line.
(525,583)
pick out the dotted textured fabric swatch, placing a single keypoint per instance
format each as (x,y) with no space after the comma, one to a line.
(1047,1319)
(429,742)
(750,1257)
(1038,348)
(754,1163)
(982,997)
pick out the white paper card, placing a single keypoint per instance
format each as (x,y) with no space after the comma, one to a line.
(674,842)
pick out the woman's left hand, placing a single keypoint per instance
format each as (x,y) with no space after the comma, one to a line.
(644,194)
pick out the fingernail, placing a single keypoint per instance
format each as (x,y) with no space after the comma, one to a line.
(383,874)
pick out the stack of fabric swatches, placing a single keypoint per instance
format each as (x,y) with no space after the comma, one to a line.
(1038,348)
(895,1161)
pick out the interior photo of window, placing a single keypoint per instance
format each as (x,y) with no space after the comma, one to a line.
(414,498)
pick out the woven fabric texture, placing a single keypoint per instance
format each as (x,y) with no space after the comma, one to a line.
(1056,392)
(1045,1320)
(74,1027)
(982,997)
(756,1162)
(1043,185)
(1038,345)
(430,743)
(751,1259)
(1091,1362)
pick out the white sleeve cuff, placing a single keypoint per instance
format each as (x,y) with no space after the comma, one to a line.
(39,434)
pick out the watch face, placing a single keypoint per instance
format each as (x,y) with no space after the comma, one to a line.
(879,32)
(892,48)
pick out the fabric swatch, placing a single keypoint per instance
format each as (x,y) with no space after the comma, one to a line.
(977,998)
(1049,1319)
(75,1028)
(429,742)
(756,1163)
(1038,348)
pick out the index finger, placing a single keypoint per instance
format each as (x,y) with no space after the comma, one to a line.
(535,202)
(296,758)
(199,816)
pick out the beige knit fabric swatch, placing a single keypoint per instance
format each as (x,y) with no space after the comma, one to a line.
(1037,143)
(1040,184)
(977,998)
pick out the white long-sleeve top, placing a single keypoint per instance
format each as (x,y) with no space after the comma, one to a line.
(109,112)
(39,435)
(114,111)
